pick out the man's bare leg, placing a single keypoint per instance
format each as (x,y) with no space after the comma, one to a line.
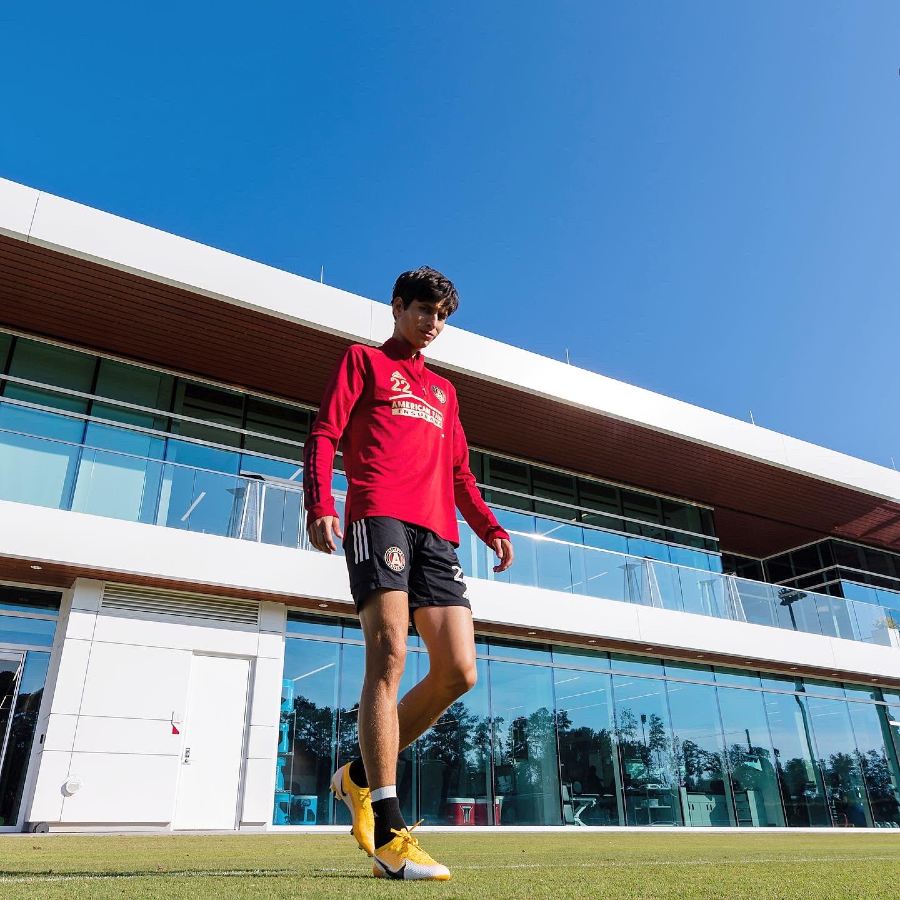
(449,636)
(385,624)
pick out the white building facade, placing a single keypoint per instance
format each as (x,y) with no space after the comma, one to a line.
(700,628)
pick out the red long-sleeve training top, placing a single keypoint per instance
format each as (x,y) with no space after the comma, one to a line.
(405,452)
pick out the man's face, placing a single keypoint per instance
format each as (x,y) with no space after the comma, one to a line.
(420,323)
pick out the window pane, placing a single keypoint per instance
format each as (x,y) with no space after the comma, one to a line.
(51,365)
(556,486)
(640,665)
(33,632)
(5,343)
(507,473)
(590,778)
(533,652)
(602,497)
(279,420)
(646,757)
(132,384)
(640,506)
(703,785)
(871,726)
(838,762)
(681,515)
(298,623)
(115,484)
(798,775)
(737,677)
(454,761)
(526,768)
(583,658)
(36,471)
(306,741)
(16,599)
(21,735)
(201,401)
(750,758)
(476,464)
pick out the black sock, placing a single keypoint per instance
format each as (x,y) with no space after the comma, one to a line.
(387,816)
(358,773)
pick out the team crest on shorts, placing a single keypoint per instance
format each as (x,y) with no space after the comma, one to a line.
(439,393)
(394,559)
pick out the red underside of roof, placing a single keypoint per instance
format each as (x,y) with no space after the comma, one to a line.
(760,509)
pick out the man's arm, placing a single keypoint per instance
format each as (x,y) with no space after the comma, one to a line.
(471,504)
(341,393)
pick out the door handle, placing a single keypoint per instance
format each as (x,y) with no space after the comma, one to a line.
(186,759)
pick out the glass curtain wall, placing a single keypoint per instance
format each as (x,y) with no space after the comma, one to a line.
(568,736)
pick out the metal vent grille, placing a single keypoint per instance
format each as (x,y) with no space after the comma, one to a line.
(130,598)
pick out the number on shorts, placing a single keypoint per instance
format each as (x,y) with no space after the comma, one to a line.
(457,573)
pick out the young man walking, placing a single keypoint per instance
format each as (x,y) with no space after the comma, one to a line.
(407,466)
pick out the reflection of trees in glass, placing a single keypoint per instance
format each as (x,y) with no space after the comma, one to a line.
(452,739)
(751,766)
(882,791)
(461,741)
(643,740)
(799,790)
(312,729)
(844,789)
(698,767)
(18,749)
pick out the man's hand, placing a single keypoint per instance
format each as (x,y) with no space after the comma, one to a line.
(323,531)
(504,550)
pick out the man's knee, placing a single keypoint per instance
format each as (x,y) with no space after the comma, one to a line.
(456,679)
(386,657)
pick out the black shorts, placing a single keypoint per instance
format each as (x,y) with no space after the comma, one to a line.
(388,554)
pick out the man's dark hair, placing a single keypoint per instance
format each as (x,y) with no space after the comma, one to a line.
(429,286)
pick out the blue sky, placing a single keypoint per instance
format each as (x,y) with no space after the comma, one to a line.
(700,198)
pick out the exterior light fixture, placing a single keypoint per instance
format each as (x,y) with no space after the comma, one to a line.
(532,632)
(36,567)
(323,606)
(592,641)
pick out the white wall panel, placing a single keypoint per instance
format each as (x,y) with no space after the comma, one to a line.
(272,617)
(126,788)
(259,791)
(115,735)
(87,594)
(262,742)
(46,804)
(266,692)
(60,732)
(80,624)
(69,686)
(271,645)
(135,682)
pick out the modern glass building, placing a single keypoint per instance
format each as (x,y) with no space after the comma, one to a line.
(700,630)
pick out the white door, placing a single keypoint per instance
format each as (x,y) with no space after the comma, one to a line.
(213,730)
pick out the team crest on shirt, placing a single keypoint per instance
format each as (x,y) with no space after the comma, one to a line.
(442,397)
(394,559)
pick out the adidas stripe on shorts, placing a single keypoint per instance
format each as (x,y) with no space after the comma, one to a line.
(385,553)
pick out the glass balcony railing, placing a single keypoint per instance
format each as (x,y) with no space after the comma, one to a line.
(49,472)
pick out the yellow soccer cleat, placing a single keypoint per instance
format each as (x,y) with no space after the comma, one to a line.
(402,858)
(359,802)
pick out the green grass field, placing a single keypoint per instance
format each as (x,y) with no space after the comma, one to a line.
(485,867)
